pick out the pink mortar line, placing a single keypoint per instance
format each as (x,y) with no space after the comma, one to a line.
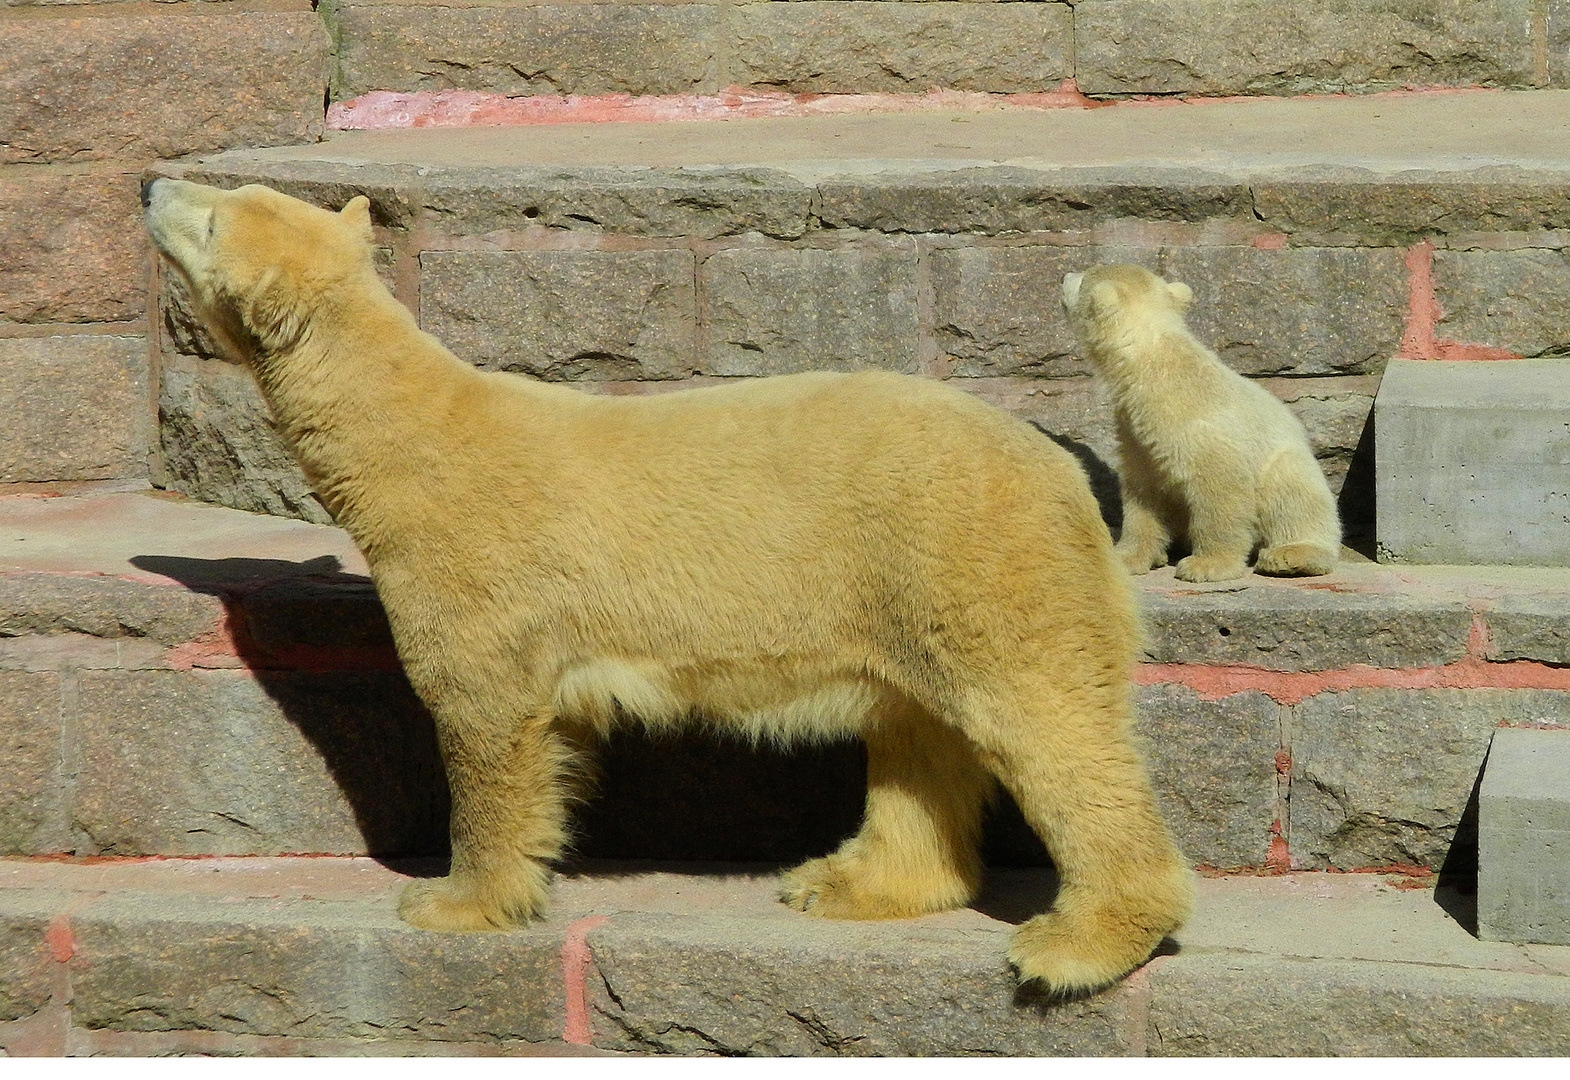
(1216,681)
(575,961)
(1424,313)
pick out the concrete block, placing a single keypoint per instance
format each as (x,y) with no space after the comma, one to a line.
(1523,838)
(220,762)
(1299,311)
(77,408)
(1512,300)
(769,312)
(565,315)
(1382,776)
(1213,765)
(624,48)
(139,87)
(1215,47)
(1471,462)
(76,249)
(219,444)
(30,769)
(857,47)
(786,985)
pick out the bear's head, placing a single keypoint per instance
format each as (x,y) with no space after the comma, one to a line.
(257,264)
(1102,304)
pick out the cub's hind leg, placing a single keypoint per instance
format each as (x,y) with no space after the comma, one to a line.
(916,849)
(1064,754)
(1298,518)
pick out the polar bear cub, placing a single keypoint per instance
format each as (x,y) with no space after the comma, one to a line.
(1207,456)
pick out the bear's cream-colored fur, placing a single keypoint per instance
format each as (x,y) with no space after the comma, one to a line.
(807,557)
(1206,456)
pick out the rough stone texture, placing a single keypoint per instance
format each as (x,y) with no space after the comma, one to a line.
(150,86)
(1381,777)
(26,969)
(219,443)
(104,607)
(75,248)
(774,311)
(1313,311)
(1214,770)
(1529,628)
(1559,42)
(1215,47)
(1345,205)
(719,985)
(1507,299)
(1523,838)
(29,768)
(1471,462)
(1289,629)
(855,47)
(77,408)
(244,966)
(999,311)
(222,763)
(565,314)
(1005,199)
(546,49)
(1257,1006)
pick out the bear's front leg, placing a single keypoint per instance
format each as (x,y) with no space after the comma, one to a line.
(508,822)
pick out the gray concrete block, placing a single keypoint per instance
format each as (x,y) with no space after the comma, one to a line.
(599,315)
(769,312)
(1523,838)
(1471,462)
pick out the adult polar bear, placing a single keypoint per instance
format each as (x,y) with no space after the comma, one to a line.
(805,557)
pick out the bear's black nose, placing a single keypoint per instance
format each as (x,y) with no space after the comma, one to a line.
(147,191)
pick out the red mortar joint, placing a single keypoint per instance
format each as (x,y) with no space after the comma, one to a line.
(215,649)
(1269,242)
(1214,682)
(575,961)
(60,939)
(1278,857)
(1424,315)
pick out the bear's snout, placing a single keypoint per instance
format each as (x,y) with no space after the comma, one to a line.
(147,192)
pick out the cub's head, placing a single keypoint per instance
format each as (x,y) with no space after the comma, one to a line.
(258,265)
(1104,303)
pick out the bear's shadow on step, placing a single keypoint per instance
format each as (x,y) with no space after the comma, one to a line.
(317,641)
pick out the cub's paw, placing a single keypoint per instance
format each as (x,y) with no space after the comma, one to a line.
(1296,560)
(455,906)
(1140,561)
(837,887)
(1210,568)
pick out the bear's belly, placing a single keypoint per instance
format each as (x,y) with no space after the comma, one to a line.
(779,703)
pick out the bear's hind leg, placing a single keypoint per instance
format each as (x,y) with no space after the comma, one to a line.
(916,850)
(509,820)
(1067,760)
(1302,530)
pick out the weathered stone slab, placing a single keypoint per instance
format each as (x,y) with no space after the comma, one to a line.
(565,314)
(149,86)
(30,751)
(781,985)
(769,312)
(1506,299)
(196,763)
(857,47)
(105,607)
(1313,311)
(75,248)
(1213,765)
(1290,629)
(26,968)
(1263,1006)
(1214,47)
(1382,776)
(1529,628)
(77,408)
(1523,838)
(624,48)
(219,443)
(1471,462)
(1559,42)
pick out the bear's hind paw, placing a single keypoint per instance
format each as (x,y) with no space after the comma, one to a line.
(1296,560)
(449,905)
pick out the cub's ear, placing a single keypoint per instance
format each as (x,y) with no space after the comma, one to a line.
(1181,294)
(357,212)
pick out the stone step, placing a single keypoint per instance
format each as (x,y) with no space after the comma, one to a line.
(182,679)
(1113,48)
(307,956)
(1321,236)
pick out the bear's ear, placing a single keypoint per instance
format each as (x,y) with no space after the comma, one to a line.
(357,212)
(1181,294)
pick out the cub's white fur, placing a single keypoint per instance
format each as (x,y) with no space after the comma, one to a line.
(1206,456)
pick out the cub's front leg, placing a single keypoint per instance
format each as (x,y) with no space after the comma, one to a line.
(505,770)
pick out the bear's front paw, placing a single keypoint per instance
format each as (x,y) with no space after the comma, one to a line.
(453,905)
(1211,568)
(1140,560)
